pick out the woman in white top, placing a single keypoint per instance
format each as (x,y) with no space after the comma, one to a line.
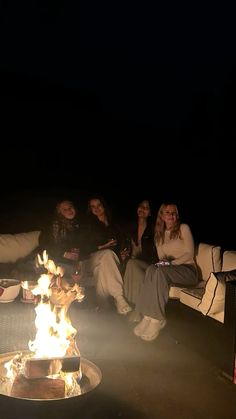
(175,248)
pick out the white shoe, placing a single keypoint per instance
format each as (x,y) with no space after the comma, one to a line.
(122,306)
(153,329)
(141,327)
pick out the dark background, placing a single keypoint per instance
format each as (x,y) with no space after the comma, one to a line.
(127,100)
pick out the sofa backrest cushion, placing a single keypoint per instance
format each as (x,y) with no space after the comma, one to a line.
(16,246)
(208,258)
(213,299)
(229,260)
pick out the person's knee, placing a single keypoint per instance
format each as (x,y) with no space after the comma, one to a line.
(162,276)
(151,270)
(131,263)
(108,255)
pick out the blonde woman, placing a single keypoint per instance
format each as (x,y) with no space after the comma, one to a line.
(175,248)
(63,239)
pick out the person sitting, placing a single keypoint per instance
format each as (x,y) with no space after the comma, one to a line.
(175,249)
(142,254)
(64,239)
(105,237)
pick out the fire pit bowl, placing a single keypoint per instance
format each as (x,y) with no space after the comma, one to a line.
(9,290)
(91,378)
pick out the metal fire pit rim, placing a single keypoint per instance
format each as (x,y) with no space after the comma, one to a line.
(85,365)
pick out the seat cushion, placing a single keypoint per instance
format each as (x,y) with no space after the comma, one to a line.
(192,296)
(175,292)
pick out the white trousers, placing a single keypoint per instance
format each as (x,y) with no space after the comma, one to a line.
(105,267)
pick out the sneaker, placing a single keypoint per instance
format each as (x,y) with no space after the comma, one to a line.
(141,327)
(122,306)
(153,329)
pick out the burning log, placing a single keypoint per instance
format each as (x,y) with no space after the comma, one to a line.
(39,388)
(42,367)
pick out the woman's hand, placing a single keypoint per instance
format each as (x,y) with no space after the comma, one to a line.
(72,255)
(76,276)
(110,243)
(124,254)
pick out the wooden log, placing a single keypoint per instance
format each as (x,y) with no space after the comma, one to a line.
(41,367)
(40,388)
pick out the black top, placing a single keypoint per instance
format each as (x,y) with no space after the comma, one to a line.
(149,253)
(99,234)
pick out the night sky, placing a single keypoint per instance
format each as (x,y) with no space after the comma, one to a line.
(157,79)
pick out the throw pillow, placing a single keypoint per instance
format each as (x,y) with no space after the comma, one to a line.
(16,246)
(208,258)
(213,300)
(229,260)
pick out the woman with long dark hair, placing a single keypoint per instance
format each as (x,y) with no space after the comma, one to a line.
(105,241)
(142,254)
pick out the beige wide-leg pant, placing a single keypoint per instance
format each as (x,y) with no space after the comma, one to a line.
(105,267)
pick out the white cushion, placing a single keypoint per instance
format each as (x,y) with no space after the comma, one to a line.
(175,292)
(220,317)
(208,258)
(229,260)
(192,296)
(16,246)
(213,300)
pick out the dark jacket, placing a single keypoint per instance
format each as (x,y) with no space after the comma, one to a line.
(98,234)
(63,235)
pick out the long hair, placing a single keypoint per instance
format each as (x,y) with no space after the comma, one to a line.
(160,226)
(104,204)
(149,220)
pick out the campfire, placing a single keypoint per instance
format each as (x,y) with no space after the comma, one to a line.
(52,367)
